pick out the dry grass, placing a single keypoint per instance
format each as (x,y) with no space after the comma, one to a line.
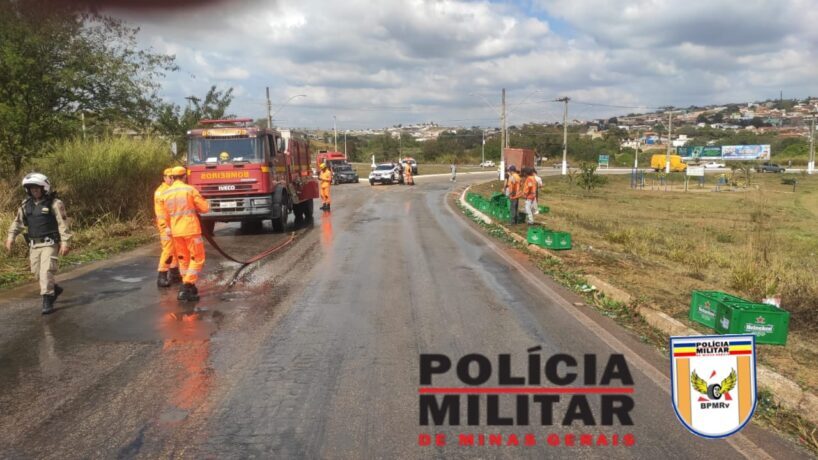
(662,245)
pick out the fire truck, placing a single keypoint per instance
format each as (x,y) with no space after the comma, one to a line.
(250,174)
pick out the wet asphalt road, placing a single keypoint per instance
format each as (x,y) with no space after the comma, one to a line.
(314,352)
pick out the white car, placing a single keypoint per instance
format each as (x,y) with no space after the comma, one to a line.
(386,173)
(487,164)
(713,164)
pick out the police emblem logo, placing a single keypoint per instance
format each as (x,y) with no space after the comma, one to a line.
(713,380)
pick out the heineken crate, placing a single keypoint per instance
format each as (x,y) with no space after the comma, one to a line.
(484,206)
(499,199)
(536,235)
(472,198)
(544,209)
(704,305)
(768,323)
(559,241)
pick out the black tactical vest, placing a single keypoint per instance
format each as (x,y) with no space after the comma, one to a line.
(40,219)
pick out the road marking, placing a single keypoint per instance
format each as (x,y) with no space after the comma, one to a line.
(739,442)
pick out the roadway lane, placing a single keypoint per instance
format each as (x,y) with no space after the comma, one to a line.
(314,353)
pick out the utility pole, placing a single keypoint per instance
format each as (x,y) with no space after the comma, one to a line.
(564,135)
(483,149)
(503,140)
(811,165)
(334,133)
(669,133)
(636,153)
(82,117)
(269,110)
(345,144)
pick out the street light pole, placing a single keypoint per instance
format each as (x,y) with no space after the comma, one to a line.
(811,163)
(345,144)
(669,134)
(483,148)
(565,135)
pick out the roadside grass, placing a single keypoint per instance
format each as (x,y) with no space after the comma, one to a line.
(659,246)
(107,185)
(566,272)
(96,241)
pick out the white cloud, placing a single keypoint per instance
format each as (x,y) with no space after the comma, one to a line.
(421,60)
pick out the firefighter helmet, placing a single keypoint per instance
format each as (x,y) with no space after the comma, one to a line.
(178,171)
(224,156)
(323,166)
(37,179)
(167,172)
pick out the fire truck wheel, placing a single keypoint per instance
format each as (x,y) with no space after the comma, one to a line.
(208,226)
(280,222)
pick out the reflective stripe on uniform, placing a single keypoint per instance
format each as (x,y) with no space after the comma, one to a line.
(183,212)
(176,189)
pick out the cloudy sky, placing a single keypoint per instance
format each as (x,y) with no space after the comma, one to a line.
(375,63)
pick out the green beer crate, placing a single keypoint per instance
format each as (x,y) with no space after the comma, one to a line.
(536,235)
(768,323)
(704,305)
(484,206)
(472,198)
(559,241)
(499,199)
(544,209)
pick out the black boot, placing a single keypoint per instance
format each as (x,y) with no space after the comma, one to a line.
(57,291)
(48,304)
(328,207)
(162,280)
(175,276)
(188,292)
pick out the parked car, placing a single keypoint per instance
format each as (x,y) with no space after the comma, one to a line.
(769,167)
(714,164)
(386,173)
(344,174)
(487,164)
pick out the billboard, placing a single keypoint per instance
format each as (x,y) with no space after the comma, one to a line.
(699,152)
(725,152)
(745,152)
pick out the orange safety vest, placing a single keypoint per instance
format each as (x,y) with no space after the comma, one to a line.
(181,203)
(530,188)
(159,207)
(514,186)
(326,178)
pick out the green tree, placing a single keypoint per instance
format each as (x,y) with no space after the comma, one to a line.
(58,62)
(174,123)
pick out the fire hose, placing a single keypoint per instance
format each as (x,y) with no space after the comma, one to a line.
(244,263)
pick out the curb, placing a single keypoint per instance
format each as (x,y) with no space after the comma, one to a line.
(788,393)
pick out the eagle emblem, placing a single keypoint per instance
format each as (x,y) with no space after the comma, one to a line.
(716,390)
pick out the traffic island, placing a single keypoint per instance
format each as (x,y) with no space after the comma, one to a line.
(788,394)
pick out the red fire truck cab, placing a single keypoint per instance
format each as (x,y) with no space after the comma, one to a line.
(250,174)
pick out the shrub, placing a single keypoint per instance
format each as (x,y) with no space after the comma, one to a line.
(107,178)
(588,177)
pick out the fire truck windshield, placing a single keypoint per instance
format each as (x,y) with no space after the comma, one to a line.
(203,150)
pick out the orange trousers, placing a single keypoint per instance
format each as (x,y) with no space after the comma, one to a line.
(325,194)
(191,254)
(168,258)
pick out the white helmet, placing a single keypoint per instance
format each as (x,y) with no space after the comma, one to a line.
(37,179)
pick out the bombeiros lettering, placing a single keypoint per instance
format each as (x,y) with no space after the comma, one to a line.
(225,174)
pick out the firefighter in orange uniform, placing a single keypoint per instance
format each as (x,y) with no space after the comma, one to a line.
(407,174)
(326,180)
(514,194)
(182,204)
(168,266)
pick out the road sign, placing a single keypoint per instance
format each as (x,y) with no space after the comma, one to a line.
(603,160)
(697,171)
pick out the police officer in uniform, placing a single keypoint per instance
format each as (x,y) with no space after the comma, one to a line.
(47,234)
